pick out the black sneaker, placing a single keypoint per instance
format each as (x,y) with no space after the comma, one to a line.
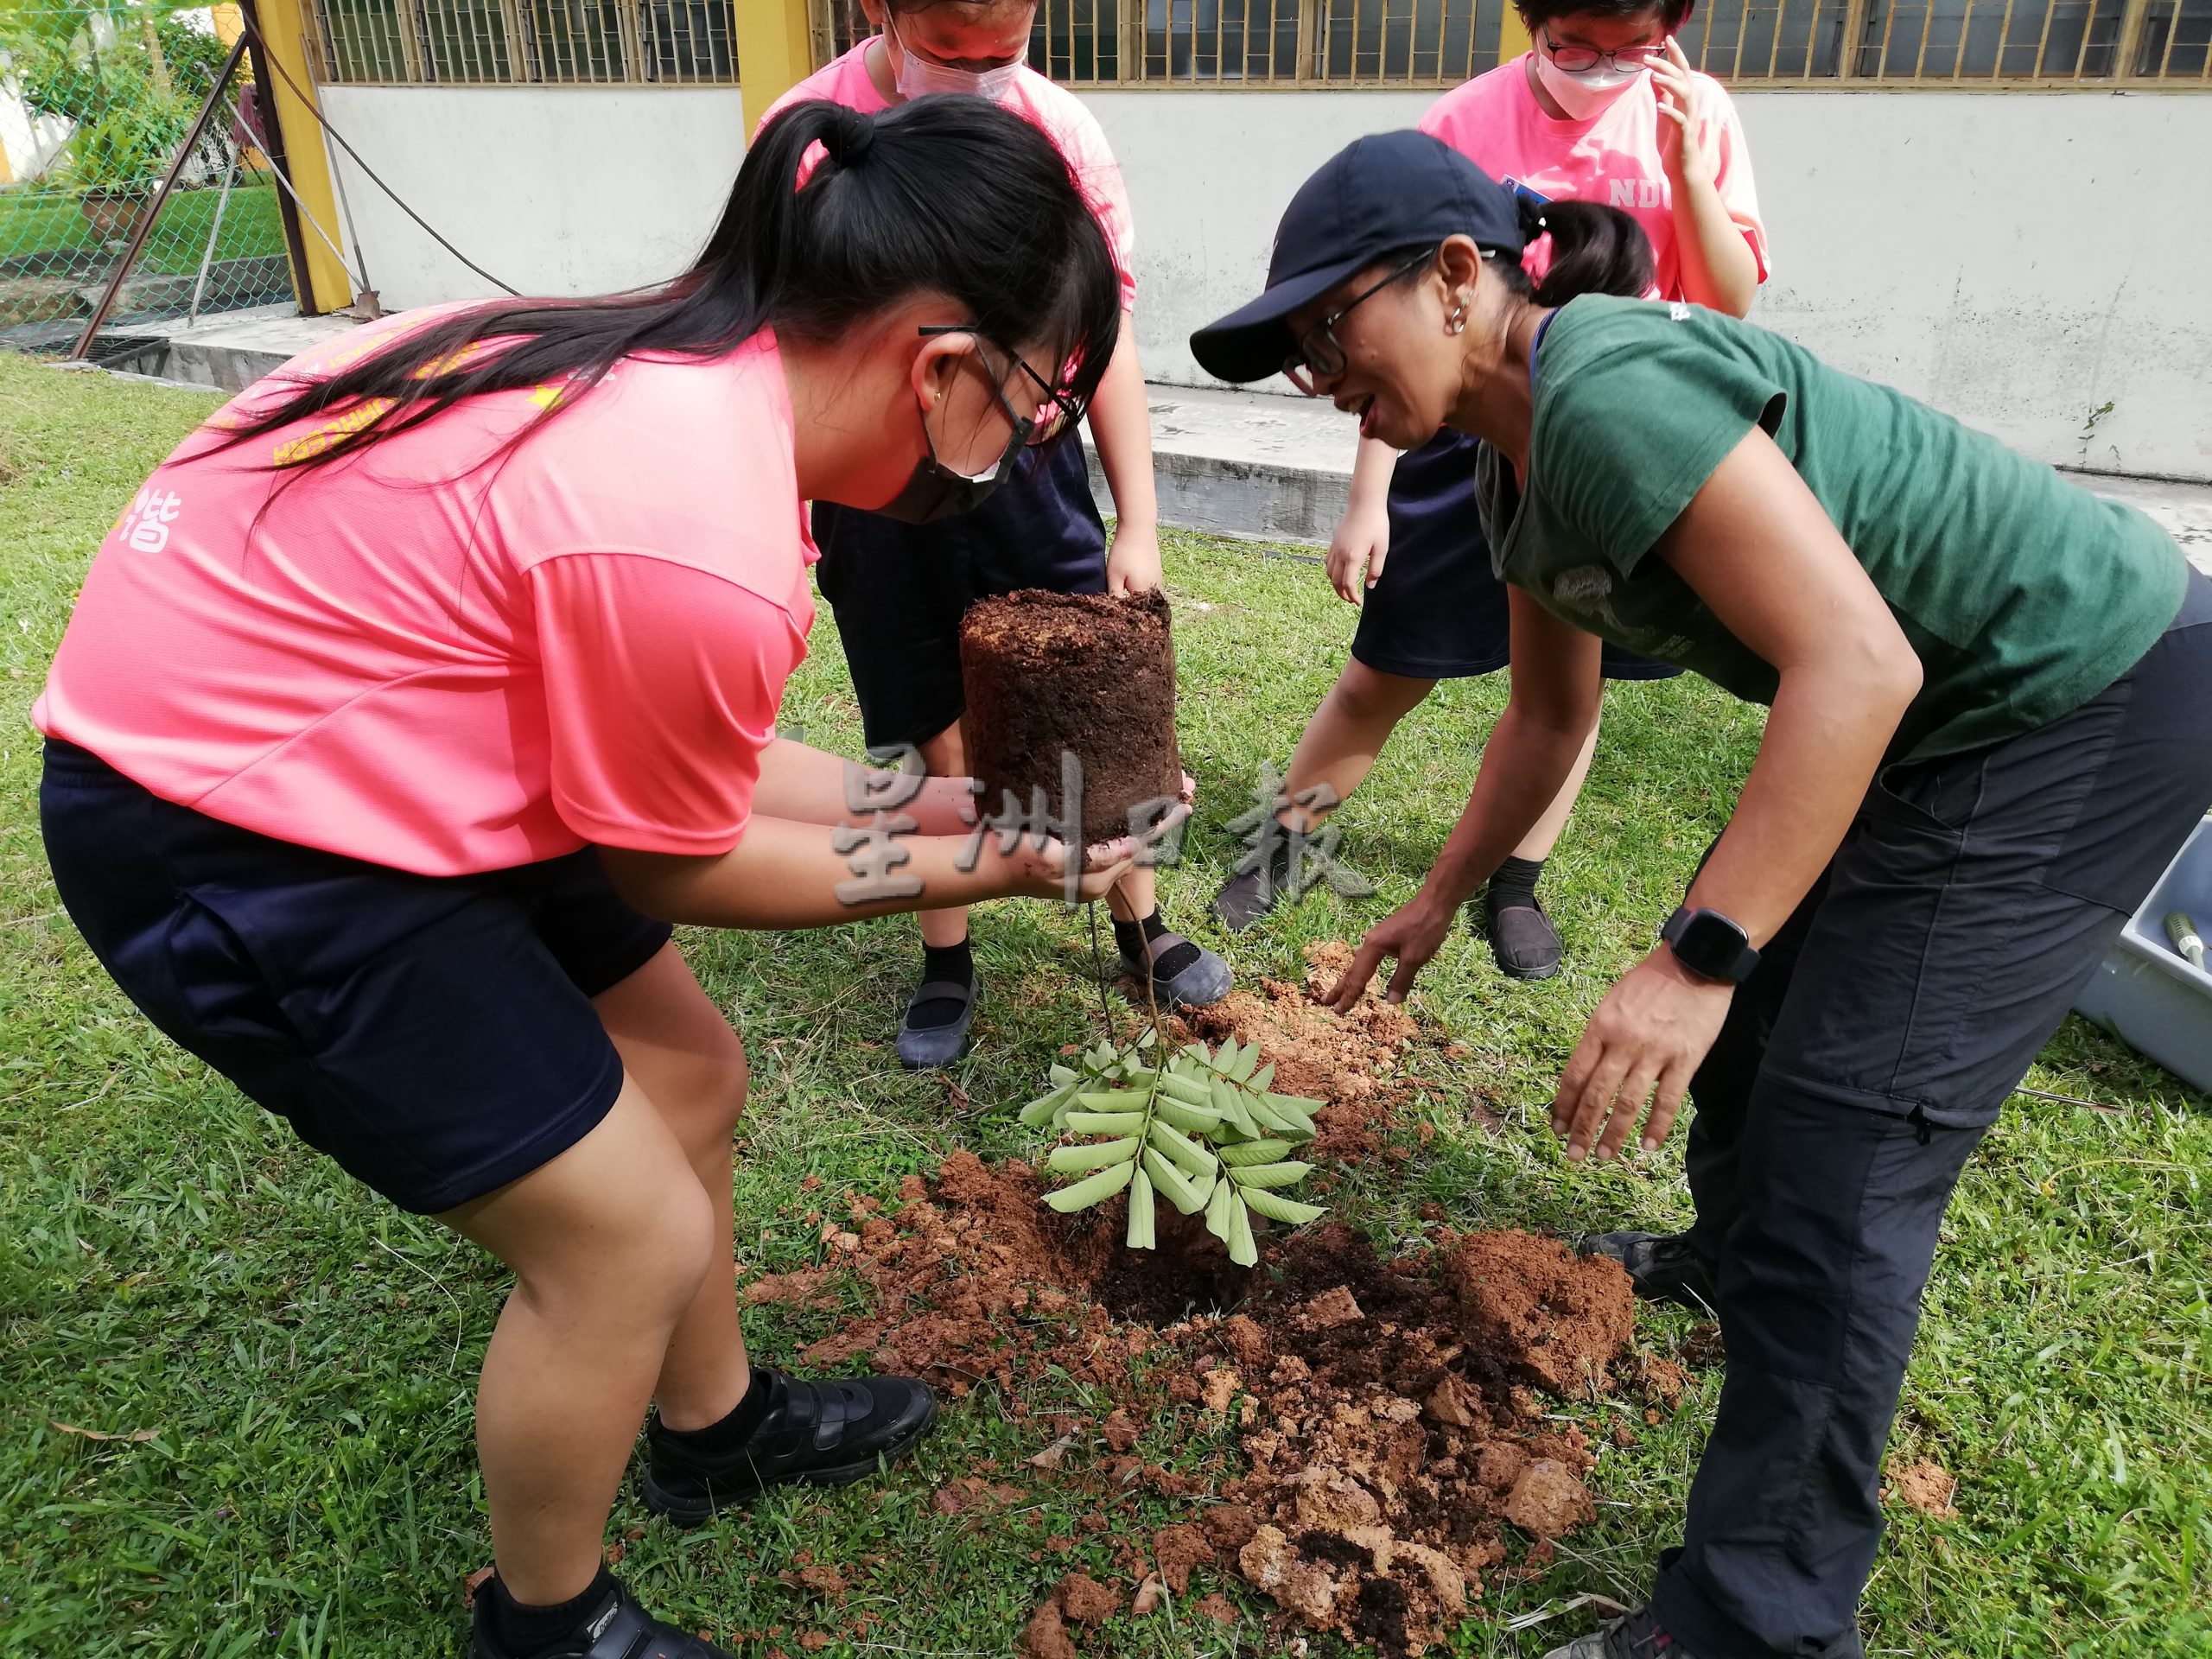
(826,1434)
(1663,1267)
(1639,1635)
(617,1629)
(1522,941)
(1249,894)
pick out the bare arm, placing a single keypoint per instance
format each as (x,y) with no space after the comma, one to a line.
(1760,551)
(1556,687)
(787,875)
(808,786)
(1362,543)
(1719,270)
(1121,425)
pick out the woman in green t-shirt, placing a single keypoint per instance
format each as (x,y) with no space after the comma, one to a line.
(1990,728)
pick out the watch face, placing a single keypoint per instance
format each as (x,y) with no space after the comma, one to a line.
(1710,944)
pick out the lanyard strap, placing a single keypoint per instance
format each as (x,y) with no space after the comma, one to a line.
(1541,328)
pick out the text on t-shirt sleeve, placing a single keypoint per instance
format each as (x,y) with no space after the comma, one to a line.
(662,683)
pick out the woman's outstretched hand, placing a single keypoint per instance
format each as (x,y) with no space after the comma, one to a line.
(1413,934)
(1643,1043)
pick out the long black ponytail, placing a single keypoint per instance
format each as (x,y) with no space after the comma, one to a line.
(947,196)
(1595,250)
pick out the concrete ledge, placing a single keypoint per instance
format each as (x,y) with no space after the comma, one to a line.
(1252,465)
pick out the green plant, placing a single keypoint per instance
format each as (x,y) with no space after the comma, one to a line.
(1201,1129)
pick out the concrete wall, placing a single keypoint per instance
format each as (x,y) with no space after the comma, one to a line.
(2023,260)
(553,190)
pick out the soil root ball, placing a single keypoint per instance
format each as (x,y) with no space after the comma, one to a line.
(1090,674)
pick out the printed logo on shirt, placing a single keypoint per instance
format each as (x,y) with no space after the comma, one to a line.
(1639,193)
(145,523)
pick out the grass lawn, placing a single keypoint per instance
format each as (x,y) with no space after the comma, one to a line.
(32,221)
(299,1356)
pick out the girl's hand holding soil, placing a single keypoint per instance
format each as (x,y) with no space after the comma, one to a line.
(1681,143)
(1643,1042)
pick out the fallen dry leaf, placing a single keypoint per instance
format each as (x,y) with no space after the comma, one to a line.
(130,1436)
(1149,1595)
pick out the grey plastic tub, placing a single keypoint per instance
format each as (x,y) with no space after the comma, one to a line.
(2144,992)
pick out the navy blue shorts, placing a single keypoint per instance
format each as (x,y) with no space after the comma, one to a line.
(898,591)
(433,1034)
(1439,612)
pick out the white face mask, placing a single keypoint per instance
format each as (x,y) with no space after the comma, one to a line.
(1583,94)
(918,77)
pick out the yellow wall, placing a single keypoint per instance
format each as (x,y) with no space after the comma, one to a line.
(1512,35)
(775,52)
(324,286)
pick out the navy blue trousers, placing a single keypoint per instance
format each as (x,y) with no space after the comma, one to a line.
(1860,1066)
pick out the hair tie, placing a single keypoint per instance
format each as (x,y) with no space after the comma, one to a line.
(851,137)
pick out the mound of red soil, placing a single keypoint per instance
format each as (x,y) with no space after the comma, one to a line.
(1385,1408)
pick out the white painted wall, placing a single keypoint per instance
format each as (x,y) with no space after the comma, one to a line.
(553,190)
(2020,259)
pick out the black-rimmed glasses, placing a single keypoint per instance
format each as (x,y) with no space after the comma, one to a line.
(1057,410)
(1320,353)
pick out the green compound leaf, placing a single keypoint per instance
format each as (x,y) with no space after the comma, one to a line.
(1106,1122)
(1187,1199)
(1252,1152)
(1095,1189)
(1242,1249)
(1195,1160)
(1074,1161)
(1271,1175)
(1275,1207)
(1141,1234)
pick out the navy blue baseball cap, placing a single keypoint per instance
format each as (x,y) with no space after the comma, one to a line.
(1389,192)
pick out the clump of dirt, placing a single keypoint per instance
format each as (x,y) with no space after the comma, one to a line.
(1565,1316)
(1393,1433)
(1926,1486)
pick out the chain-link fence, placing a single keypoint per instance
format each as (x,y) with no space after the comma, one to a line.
(95,100)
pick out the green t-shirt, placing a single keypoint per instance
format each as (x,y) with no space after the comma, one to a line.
(2023,595)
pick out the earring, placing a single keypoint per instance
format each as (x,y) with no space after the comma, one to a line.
(1459,323)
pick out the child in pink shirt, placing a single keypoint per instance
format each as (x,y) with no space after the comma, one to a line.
(1604,108)
(898,591)
(421,690)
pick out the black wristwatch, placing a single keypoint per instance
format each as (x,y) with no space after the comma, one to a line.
(1710,945)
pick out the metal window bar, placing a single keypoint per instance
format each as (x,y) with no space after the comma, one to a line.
(1905,43)
(505,42)
(1226,44)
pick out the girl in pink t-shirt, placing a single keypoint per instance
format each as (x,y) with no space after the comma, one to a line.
(418,694)
(1603,108)
(898,590)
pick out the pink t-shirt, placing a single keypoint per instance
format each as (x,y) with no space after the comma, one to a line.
(444,667)
(1051,109)
(1495,121)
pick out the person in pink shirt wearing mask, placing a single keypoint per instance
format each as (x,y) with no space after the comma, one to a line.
(1604,107)
(421,690)
(898,590)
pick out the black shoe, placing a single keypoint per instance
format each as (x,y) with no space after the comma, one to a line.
(925,1048)
(1663,1267)
(1195,979)
(1639,1635)
(1522,941)
(825,1434)
(617,1629)
(1249,894)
